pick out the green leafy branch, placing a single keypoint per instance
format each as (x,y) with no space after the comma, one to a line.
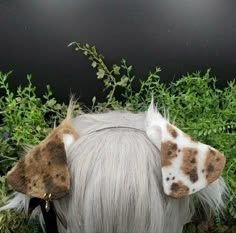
(119,76)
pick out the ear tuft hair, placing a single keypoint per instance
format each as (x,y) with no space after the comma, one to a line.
(73,104)
(71,108)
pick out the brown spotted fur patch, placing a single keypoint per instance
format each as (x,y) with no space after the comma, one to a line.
(44,168)
(17,177)
(57,152)
(189,165)
(214,165)
(178,189)
(168,152)
(171,130)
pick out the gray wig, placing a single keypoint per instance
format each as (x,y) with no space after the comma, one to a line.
(116,183)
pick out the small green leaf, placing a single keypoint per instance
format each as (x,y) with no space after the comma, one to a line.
(38,128)
(116,69)
(94,64)
(100,74)
(123,82)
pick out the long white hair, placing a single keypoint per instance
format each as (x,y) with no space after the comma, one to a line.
(116,183)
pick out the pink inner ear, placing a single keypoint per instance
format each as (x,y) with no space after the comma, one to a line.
(187,165)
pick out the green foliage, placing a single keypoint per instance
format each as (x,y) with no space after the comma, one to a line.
(23,116)
(23,112)
(119,76)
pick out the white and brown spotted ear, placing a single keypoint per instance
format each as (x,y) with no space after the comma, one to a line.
(187,165)
(43,170)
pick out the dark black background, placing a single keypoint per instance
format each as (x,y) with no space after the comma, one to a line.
(180,36)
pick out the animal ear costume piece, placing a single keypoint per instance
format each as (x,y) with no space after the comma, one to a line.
(43,170)
(187,165)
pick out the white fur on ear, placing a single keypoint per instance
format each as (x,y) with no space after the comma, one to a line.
(152,124)
(154,134)
(187,165)
(68,140)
